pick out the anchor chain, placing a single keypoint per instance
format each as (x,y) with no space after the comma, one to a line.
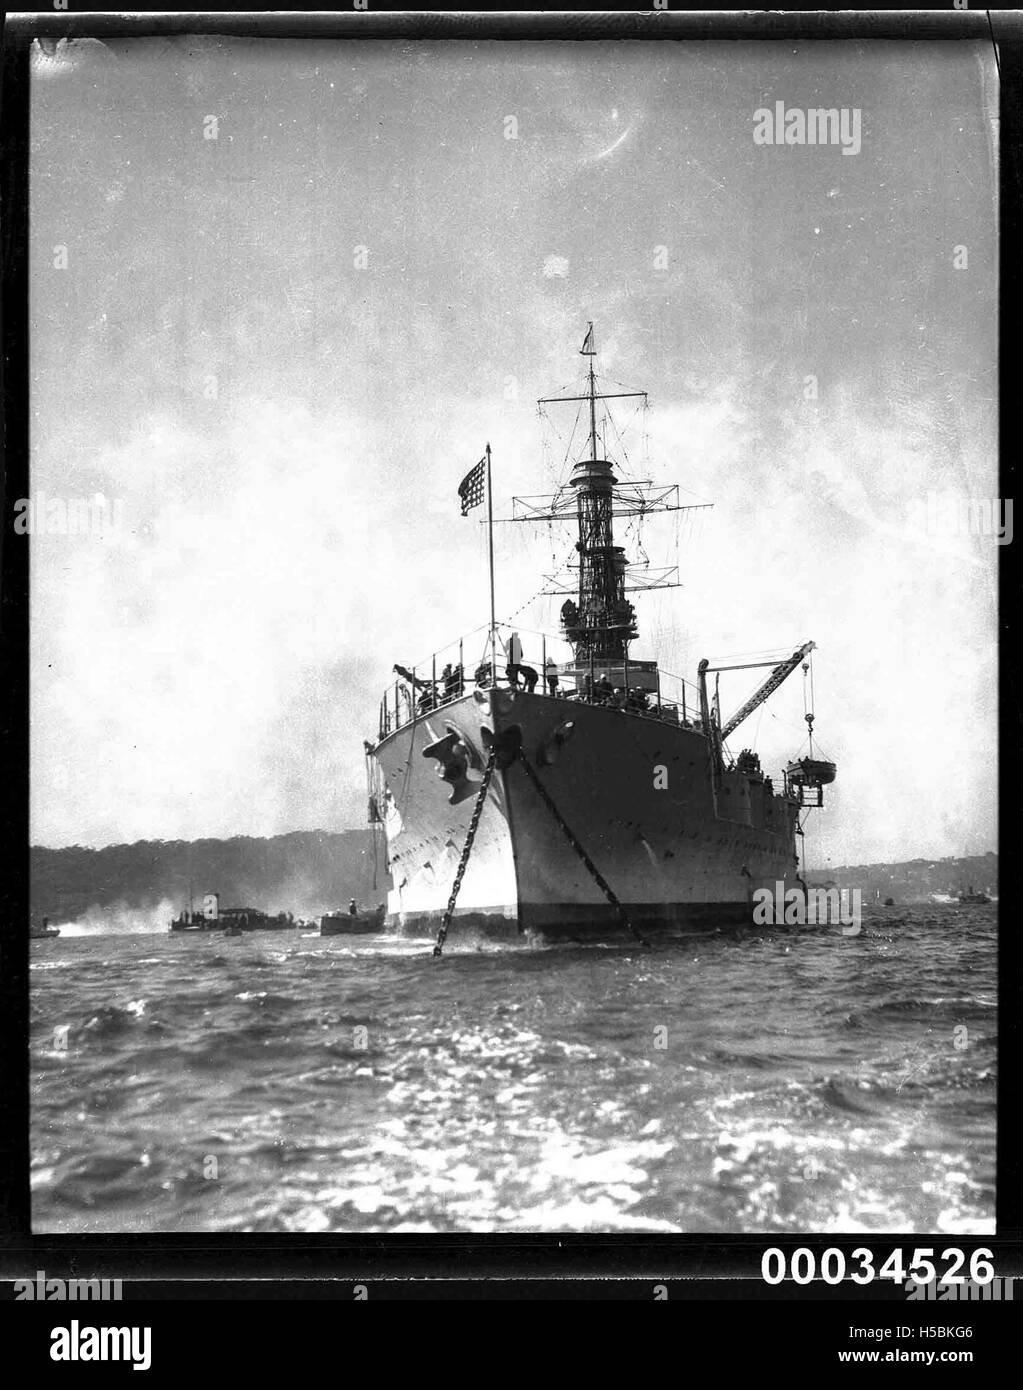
(598,877)
(481,796)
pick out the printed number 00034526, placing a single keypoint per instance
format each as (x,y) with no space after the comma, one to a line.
(803,1266)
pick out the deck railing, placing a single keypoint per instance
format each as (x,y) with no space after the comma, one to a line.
(453,671)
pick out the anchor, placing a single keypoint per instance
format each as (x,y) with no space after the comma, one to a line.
(453,756)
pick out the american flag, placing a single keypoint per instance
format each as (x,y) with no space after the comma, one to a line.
(470,489)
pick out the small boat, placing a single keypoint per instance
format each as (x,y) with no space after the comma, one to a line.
(352,923)
(808,772)
(971,897)
(889,902)
(43,933)
(230,920)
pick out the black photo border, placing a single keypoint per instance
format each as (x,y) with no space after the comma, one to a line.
(559,1265)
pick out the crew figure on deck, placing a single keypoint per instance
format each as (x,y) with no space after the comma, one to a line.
(514,653)
(452,679)
(603,691)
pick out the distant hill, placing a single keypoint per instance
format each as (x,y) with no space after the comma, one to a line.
(310,872)
(916,879)
(306,872)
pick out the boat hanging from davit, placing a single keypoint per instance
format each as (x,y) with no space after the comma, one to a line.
(585,797)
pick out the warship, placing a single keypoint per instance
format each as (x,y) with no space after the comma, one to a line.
(605,802)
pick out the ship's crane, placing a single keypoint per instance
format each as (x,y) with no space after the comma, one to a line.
(780,674)
(806,778)
(718,733)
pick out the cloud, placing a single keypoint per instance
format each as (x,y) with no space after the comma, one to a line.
(286,430)
(227,644)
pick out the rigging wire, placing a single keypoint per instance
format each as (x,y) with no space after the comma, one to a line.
(558,475)
(626,467)
(540,593)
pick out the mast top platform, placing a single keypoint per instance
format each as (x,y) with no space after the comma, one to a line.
(597,474)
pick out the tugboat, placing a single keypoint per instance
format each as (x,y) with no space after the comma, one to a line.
(230,920)
(353,922)
(606,802)
(971,897)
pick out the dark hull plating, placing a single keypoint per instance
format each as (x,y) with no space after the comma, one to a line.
(680,848)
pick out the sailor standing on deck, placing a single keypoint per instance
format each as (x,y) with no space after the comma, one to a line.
(353,910)
(550,674)
(514,654)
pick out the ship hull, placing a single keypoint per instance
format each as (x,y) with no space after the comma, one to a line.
(680,848)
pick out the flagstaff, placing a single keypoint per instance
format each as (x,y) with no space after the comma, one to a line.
(490,553)
(470,491)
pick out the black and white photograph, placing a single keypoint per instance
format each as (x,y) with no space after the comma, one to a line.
(513,535)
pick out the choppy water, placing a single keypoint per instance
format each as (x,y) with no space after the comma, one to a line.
(772,1081)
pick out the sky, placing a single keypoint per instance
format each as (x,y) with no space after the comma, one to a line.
(306,282)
